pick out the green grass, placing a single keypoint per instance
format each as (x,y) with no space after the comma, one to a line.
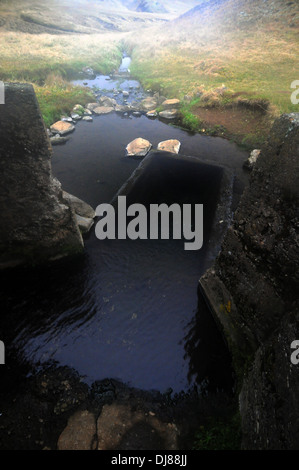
(59,99)
(221,434)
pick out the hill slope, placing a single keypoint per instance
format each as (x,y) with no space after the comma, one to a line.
(224,52)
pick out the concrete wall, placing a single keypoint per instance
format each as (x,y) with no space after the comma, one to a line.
(36,224)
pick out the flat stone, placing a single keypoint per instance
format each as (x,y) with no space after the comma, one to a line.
(87,119)
(76,117)
(138,147)
(62,127)
(169,114)
(92,106)
(58,140)
(107,102)
(87,112)
(67,119)
(79,433)
(171,145)
(170,104)
(121,108)
(149,104)
(152,113)
(103,110)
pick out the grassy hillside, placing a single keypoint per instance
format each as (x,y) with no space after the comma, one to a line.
(224,53)
(231,61)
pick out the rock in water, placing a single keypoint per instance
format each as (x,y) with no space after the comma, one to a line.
(168,114)
(80,207)
(171,104)
(103,110)
(107,102)
(172,146)
(149,104)
(62,127)
(152,113)
(138,148)
(58,140)
(92,106)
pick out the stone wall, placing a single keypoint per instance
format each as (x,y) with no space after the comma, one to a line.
(253,292)
(36,223)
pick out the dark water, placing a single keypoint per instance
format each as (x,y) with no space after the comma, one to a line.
(127,310)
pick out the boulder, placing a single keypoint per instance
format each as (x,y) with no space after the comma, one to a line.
(84,223)
(107,101)
(169,114)
(87,118)
(138,148)
(92,106)
(172,146)
(79,433)
(80,207)
(121,108)
(152,113)
(103,110)
(171,104)
(76,116)
(79,109)
(58,140)
(62,127)
(148,104)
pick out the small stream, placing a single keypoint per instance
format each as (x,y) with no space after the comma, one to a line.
(126,310)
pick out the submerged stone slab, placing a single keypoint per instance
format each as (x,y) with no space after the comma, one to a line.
(38,226)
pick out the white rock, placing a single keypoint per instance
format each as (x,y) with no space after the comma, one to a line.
(138,147)
(171,145)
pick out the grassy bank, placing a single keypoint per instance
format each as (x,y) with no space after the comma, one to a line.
(49,61)
(242,55)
